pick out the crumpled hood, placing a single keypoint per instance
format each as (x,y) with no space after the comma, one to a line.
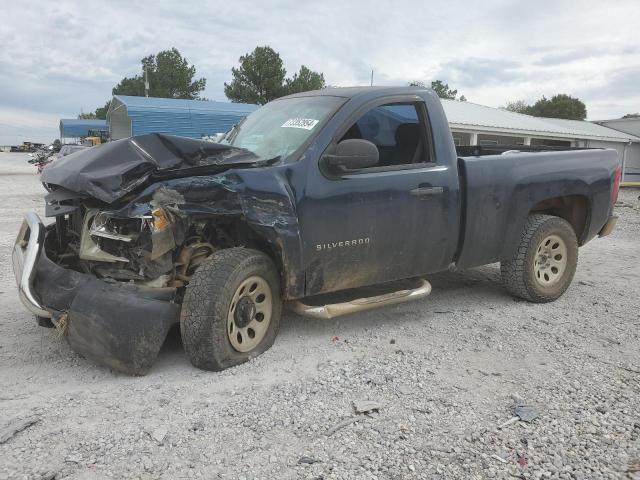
(111,170)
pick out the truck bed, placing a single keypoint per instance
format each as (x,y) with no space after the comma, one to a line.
(482,150)
(500,188)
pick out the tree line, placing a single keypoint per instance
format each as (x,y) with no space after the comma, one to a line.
(261,77)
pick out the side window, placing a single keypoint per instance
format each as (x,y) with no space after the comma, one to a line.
(398,132)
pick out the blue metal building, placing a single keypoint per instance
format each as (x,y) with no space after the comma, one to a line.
(129,116)
(78,127)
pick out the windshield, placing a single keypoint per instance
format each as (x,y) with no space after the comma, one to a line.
(279,128)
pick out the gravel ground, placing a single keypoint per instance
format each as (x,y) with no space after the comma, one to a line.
(443,372)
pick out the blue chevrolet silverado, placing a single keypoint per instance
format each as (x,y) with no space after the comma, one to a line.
(328,202)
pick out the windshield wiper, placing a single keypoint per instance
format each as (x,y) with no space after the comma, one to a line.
(231,134)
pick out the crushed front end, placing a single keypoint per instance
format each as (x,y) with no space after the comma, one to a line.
(121,324)
(111,269)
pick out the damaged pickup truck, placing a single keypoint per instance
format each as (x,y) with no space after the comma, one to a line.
(319,192)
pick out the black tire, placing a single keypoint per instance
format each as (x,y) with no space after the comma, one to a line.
(519,273)
(206,304)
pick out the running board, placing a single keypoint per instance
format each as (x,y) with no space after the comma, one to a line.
(360,304)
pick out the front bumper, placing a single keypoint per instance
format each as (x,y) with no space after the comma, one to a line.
(26,252)
(118,325)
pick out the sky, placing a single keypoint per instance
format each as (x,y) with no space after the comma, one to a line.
(60,58)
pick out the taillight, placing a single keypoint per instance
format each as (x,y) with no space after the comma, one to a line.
(616,184)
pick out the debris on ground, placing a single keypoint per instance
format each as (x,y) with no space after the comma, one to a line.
(522,459)
(366,406)
(73,458)
(16,426)
(342,424)
(526,413)
(159,434)
(307,460)
(511,421)
(499,458)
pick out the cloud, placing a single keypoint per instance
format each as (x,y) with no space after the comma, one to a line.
(477,72)
(57,58)
(17,125)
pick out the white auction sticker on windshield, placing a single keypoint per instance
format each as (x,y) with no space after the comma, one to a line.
(306,123)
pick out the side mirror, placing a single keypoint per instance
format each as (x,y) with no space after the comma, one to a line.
(352,154)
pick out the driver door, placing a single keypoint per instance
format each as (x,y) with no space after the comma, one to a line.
(385,222)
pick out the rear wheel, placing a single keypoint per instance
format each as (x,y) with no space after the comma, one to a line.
(544,264)
(231,309)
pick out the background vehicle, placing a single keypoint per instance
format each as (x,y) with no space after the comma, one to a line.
(315,193)
(45,156)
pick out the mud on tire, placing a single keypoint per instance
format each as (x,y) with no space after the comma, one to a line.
(545,261)
(211,303)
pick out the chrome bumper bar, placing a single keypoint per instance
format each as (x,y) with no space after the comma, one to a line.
(25,256)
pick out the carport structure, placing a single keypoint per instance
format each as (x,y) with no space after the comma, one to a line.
(77,128)
(129,116)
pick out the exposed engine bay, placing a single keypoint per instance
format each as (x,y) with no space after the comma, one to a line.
(158,250)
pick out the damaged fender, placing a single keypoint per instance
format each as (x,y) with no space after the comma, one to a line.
(262,201)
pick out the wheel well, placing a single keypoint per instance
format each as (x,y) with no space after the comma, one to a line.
(230,232)
(243,235)
(575,209)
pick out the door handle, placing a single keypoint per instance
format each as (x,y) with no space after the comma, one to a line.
(426,191)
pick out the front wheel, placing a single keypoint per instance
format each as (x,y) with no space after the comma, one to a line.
(231,309)
(544,263)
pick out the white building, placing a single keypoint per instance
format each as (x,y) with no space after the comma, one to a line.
(632,160)
(474,124)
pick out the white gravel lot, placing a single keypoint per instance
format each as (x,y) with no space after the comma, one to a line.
(444,371)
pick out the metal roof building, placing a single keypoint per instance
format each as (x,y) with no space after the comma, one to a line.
(473,124)
(471,117)
(630,126)
(128,116)
(79,127)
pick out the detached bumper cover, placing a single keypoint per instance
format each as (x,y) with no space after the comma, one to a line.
(119,326)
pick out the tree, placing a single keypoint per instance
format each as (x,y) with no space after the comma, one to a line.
(87,116)
(101,112)
(304,80)
(558,106)
(632,115)
(442,89)
(169,75)
(519,106)
(260,78)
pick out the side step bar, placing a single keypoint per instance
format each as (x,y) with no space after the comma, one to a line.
(360,304)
